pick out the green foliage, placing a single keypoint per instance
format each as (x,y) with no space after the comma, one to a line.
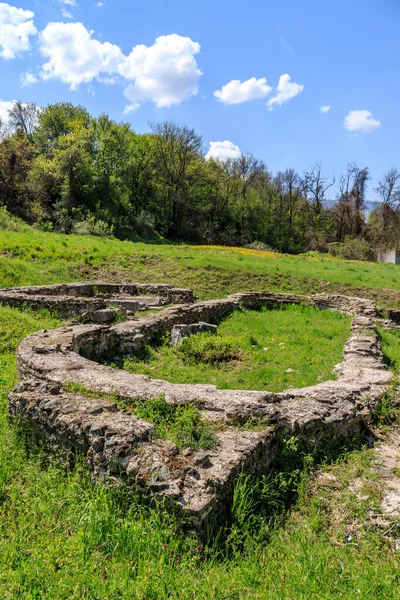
(9,222)
(268,349)
(93,226)
(63,168)
(180,424)
(352,249)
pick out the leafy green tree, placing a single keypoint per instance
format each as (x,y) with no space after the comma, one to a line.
(16,157)
(59,120)
(176,149)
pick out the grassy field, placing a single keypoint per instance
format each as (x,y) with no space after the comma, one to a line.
(36,257)
(253,350)
(289,533)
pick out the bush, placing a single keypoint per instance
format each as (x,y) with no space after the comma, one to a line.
(93,226)
(45,225)
(317,240)
(260,246)
(9,222)
(352,249)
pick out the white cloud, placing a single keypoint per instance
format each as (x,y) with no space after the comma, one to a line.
(326,108)
(27,79)
(5,106)
(130,108)
(100,4)
(223,151)
(236,92)
(360,121)
(66,14)
(165,73)
(68,2)
(16,26)
(74,56)
(286,90)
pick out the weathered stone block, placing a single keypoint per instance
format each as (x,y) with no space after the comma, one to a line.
(180,331)
(105,315)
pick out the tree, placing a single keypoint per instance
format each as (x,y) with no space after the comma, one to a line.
(315,186)
(176,150)
(16,156)
(139,180)
(3,130)
(24,117)
(388,188)
(384,221)
(351,202)
(58,120)
(319,221)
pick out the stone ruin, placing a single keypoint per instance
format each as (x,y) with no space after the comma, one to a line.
(118,445)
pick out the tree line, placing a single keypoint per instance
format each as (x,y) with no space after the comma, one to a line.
(67,171)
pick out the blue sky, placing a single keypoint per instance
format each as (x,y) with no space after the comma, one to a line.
(160,60)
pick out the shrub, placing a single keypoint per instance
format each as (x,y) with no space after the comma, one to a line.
(9,222)
(260,246)
(352,249)
(93,226)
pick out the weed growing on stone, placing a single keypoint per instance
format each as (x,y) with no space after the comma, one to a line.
(180,424)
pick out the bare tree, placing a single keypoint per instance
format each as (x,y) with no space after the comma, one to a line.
(24,117)
(386,216)
(315,186)
(248,170)
(351,201)
(388,188)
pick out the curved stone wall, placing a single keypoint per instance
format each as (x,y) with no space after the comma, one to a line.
(119,444)
(73,299)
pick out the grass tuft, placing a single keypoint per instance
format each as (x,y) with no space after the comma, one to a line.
(180,424)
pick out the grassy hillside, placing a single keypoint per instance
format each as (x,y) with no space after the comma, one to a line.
(289,535)
(36,257)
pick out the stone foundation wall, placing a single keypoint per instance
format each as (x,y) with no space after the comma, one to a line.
(118,444)
(74,299)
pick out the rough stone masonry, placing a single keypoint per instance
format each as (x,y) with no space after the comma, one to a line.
(118,445)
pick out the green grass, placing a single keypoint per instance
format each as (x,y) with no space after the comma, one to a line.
(180,424)
(61,538)
(276,349)
(390,341)
(35,257)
